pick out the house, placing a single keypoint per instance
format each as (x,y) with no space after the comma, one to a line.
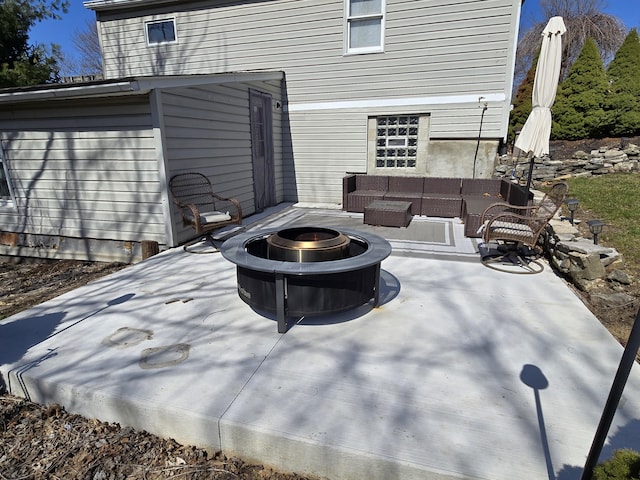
(88,164)
(401,87)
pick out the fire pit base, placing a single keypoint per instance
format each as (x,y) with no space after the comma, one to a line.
(307,288)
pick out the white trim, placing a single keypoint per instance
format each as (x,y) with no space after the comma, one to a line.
(397,102)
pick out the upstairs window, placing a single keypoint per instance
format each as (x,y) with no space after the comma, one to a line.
(364,29)
(162,31)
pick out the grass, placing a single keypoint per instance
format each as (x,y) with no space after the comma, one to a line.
(615,199)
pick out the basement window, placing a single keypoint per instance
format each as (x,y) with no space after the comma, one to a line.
(161,31)
(397,143)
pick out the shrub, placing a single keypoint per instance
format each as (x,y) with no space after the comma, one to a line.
(624,465)
(623,104)
(578,111)
(522,103)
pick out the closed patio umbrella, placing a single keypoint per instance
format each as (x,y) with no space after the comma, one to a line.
(534,136)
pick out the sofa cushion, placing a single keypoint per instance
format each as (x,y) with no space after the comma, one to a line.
(481,186)
(406,184)
(441,205)
(372,182)
(406,189)
(442,185)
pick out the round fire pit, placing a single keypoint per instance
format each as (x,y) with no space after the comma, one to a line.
(306,271)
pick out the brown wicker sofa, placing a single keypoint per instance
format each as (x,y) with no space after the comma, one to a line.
(466,198)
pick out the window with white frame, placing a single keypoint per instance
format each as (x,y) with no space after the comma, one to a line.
(161,31)
(5,191)
(364,26)
(398,143)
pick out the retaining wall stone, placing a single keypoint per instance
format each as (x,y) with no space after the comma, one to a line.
(581,164)
(583,262)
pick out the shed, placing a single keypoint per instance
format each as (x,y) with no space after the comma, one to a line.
(86,166)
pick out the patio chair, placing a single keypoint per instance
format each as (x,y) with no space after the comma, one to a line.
(201,208)
(517,229)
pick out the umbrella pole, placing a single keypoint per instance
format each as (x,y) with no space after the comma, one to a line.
(530,173)
(615,394)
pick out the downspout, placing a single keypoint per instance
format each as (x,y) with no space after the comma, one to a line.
(485,106)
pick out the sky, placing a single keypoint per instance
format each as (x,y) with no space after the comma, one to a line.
(61,31)
(626,10)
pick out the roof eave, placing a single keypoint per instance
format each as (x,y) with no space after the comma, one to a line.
(102,89)
(98,5)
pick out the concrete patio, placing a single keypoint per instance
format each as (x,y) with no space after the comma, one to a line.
(462,372)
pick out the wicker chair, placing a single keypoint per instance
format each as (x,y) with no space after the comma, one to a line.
(514,228)
(201,208)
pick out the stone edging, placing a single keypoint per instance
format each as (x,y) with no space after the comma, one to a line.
(582,164)
(586,266)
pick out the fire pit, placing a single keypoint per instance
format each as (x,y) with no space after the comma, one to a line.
(306,271)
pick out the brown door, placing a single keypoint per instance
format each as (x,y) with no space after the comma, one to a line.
(262,150)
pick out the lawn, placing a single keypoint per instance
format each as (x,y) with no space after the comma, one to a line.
(615,199)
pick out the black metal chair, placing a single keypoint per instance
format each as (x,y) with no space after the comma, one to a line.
(515,228)
(201,208)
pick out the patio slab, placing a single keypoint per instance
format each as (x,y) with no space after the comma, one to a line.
(462,372)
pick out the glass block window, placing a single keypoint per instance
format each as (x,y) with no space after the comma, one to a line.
(364,26)
(397,141)
(163,31)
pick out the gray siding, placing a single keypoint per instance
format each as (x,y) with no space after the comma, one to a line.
(434,49)
(335,142)
(207,129)
(83,171)
(443,58)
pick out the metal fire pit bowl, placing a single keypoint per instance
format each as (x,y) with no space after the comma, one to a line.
(307,288)
(307,244)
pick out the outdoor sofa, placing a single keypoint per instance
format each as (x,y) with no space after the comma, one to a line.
(466,198)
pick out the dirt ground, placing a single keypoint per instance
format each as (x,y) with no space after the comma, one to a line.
(45,442)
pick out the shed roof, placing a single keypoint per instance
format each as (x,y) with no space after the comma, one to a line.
(126,86)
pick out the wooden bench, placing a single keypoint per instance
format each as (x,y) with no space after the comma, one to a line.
(388,213)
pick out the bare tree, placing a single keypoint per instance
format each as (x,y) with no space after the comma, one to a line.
(87,44)
(584,19)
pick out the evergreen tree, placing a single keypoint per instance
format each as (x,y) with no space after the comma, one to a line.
(21,63)
(623,105)
(522,103)
(578,111)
